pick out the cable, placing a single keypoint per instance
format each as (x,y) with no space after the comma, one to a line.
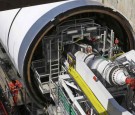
(115,56)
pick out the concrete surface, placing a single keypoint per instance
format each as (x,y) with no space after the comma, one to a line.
(125,7)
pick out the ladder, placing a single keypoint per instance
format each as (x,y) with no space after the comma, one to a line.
(55,62)
(54,65)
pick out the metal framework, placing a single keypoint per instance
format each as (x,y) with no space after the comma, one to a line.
(52,77)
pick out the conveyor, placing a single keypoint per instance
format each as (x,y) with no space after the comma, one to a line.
(93,89)
(87,91)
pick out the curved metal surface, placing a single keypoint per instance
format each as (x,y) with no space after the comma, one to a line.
(42,22)
(26,25)
(6,18)
(30,21)
(97,9)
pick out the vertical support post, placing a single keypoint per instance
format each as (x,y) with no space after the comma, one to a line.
(50,76)
(58,55)
(111,44)
(104,42)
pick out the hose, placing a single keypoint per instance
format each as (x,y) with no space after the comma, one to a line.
(115,56)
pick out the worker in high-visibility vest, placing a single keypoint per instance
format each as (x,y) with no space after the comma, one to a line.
(15,86)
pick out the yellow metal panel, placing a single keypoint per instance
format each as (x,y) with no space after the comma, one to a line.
(87,91)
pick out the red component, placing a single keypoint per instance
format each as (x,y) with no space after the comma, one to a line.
(88,112)
(95,78)
(116,41)
(14,88)
(130,82)
(93,39)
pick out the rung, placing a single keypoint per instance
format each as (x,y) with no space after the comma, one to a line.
(54,77)
(43,76)
(54,65)
(54,61)
(55,69)
(55,73)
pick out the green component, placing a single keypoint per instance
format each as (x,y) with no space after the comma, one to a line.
(67,105)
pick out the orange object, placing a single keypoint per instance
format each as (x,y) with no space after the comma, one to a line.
(14,88)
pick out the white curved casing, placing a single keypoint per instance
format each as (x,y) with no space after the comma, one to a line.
(119,78)
(6,18)
(83,56)
(104,67)
(19,27)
